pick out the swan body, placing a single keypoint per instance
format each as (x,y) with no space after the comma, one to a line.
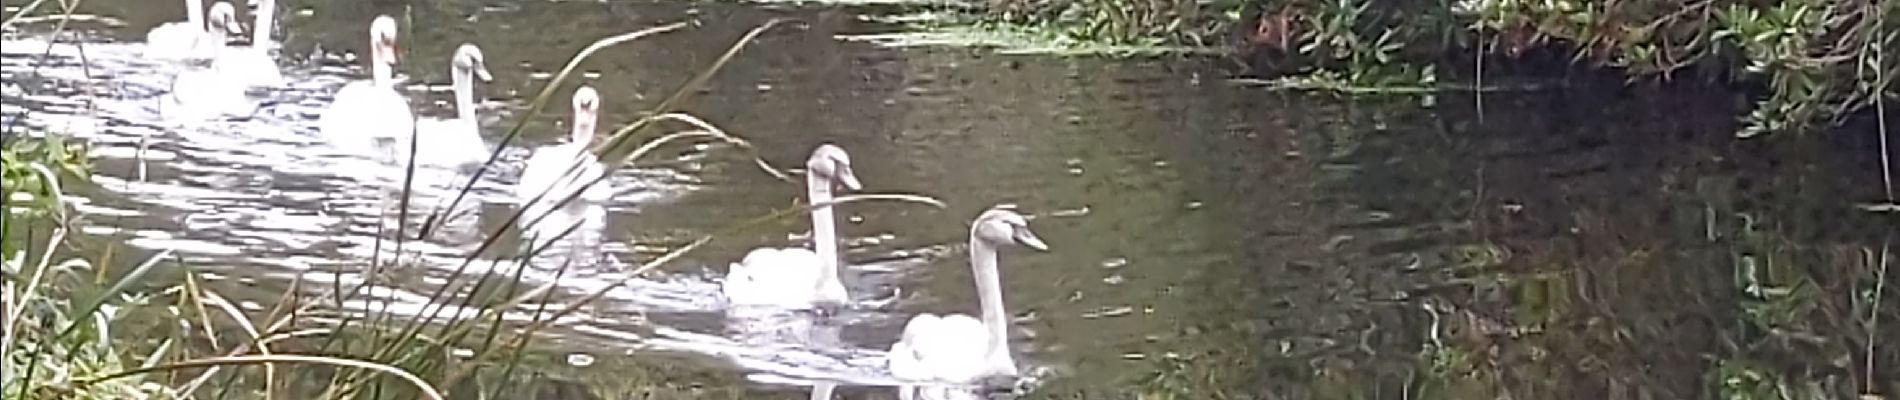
(370,115)
(796,277)
(203,93)
(456,142)
(958,348)
(555,173)
(252,65)
(181,39)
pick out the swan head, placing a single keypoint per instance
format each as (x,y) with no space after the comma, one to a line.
(831,163)
(468,62)
(586,111)
(382,40)
(223,19)
(1002,225)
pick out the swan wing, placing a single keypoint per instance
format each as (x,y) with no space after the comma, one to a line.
(547,171)
(203,94)
(949,348)
(774,276)
(363,110)
(453,143)
(250,66)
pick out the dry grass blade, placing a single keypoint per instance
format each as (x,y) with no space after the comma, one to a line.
(29,8)
(622,136)
(125,282)
(899,197)
(420,384)
(237,316)
(32,288)
(715,131)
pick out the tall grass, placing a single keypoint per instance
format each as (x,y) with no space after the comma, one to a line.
(69,331)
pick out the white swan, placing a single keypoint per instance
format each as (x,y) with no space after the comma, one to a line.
(180,39)
(456,142)
(956,348)
(794,276)
(558,171)
(203,93)
(370,115)
(253,66)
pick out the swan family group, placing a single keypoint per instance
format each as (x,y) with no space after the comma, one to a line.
(369,114)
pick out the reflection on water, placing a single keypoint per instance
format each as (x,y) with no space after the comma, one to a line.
(1205,238)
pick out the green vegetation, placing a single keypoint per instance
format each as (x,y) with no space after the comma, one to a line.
(1814,62)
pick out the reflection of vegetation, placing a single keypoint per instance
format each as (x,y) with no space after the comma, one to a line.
(1818,61)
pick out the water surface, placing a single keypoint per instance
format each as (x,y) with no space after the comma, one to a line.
(1206,239)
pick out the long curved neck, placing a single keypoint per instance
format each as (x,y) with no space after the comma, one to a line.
(583,133)
(260,29)
(379,71)
(989,289)
(218,35)
(824,232)
(464,81)
(195,13)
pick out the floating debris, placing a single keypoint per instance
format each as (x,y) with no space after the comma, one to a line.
(1073,212)
(1115,279)
(1109,312)
(580,359)
(1114,263)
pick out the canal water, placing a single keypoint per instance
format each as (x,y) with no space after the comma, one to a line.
(1207,240)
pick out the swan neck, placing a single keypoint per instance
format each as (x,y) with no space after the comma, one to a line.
(824,231)
(464,83)
(583,132)
(218,37)
(195,13)
(379,70)
(261,28)
(989,290)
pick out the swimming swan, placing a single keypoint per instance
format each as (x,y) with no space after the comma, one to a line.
(370,115)
(203,93)
(560,170)
(957,348)
(253,65)
(794,276)
(457,142)
(181,39)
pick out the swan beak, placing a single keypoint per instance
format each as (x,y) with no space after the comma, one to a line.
(388,50)
(1029,239)
(481,72)
(848,179)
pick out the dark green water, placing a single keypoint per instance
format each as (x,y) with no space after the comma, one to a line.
(1209,241)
